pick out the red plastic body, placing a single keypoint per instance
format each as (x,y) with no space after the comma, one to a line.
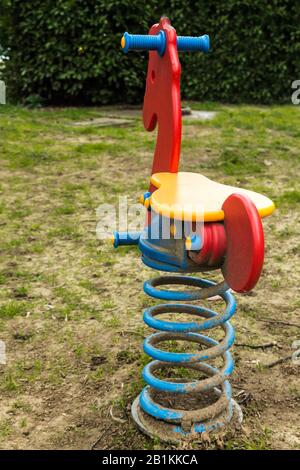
(245,243)
(237,245)
(162,105)
(214,246)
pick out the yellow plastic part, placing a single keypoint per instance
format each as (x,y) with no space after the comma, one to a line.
(188,243)
(123,42)
(172,230)
(194,197)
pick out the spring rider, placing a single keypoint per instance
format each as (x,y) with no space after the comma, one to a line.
(230,238)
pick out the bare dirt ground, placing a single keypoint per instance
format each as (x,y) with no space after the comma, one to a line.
(70,306)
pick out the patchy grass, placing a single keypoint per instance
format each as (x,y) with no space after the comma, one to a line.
(12,308)
(70,306)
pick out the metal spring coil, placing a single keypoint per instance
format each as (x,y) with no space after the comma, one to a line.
(216,382)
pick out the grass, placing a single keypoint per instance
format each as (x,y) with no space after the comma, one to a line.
(259,442)
(68,300)
(12,308)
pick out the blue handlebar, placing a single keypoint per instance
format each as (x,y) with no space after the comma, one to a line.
(190,43)
(125,238)
(144,42)
(158,42)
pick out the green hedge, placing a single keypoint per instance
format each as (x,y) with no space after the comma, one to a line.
(67,51)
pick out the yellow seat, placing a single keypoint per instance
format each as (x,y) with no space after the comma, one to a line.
(194,197)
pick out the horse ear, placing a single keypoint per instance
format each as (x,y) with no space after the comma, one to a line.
(162,105)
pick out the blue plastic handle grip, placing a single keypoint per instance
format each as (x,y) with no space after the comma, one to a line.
(126,238)
(189,43)
(144,42)
(158,42)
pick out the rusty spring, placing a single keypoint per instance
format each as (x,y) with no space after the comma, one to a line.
(212,416)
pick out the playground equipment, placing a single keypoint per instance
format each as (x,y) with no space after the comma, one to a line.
(209,226)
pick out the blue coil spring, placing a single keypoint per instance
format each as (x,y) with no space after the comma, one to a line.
(212,416)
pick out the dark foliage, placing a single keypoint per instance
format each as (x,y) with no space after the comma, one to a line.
(67,51)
